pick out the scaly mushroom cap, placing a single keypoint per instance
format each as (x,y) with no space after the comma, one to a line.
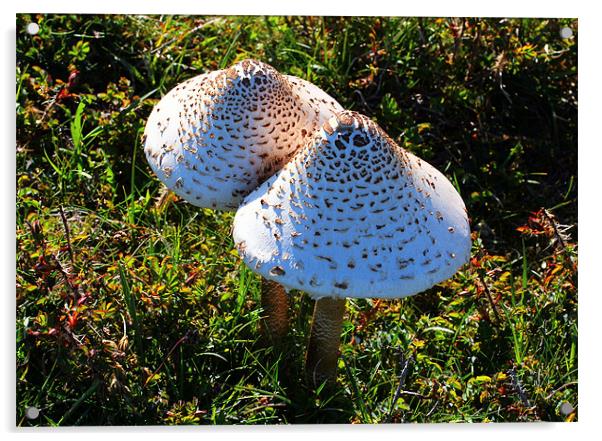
(217,136)
(354,215)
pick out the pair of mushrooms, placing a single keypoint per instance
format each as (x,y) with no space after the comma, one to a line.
(326,202)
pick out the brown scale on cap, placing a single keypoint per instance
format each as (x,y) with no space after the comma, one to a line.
(380,221)
(219,135)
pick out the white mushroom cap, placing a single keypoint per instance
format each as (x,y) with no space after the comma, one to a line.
(217,136)
(354,215)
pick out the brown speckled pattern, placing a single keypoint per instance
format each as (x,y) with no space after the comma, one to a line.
(274,300)
(217,136)
(354,215)
(322,356)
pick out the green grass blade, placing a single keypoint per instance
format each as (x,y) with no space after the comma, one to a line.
(356,392)
(87,394)
(226,58)
(77,126)
(525,275)
(131,308)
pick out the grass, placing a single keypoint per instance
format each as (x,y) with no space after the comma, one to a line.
(133,307)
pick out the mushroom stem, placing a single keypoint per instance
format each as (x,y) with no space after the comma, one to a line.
(323,348)
(274,302)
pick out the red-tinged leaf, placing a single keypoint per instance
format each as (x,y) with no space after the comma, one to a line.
(72,319)
(63,94)
(43,267)
(72,78)
(191,278)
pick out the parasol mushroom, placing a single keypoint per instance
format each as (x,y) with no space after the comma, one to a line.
(215,137)
(352,215)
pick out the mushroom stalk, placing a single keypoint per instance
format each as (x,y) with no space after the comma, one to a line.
(274,301)
(322,351)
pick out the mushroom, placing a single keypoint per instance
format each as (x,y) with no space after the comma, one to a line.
(352,215)
(215,137)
